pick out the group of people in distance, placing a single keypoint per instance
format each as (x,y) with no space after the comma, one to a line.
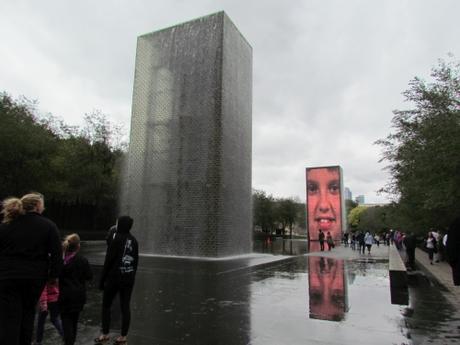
(324,223)
(361,240)
(328,238)
(438,246)
(37,271)
(445,246)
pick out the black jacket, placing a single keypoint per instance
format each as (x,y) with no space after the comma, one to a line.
(321,236)
(72,284)
(121,259)
(30,248)
(410,242)
(453,243)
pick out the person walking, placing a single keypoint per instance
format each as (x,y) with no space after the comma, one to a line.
(361,242)
(330,241)
(346,238)
(353,241)
(30,254)
(321,239)
(430,246)
(453,250)
(72,286)
(368,240)
(410,243)
(48,304)
(118,276)
(437,236)
(377,240)
(398,239)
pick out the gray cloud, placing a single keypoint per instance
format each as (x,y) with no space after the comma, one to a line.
(327,74)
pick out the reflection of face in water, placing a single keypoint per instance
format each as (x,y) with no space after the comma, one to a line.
(326,288)
(324,202)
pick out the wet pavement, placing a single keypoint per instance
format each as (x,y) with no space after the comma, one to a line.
(441,272)
(283,295)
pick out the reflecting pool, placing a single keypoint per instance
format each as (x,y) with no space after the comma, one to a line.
(337,297)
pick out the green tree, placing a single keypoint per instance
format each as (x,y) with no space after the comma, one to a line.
(349,205)
(86,164)
(354,217)
(26,148)
(270,213)
(68,164)
(424,150)
(287,213)
(301,218)
(372,219)
(264,211)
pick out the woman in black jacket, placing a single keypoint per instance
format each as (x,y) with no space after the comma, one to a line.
(72,287)
(30,254)
(118,277)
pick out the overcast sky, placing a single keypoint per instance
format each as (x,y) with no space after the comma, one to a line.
(327,74)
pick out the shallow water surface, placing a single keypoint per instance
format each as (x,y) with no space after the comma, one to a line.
(320,298)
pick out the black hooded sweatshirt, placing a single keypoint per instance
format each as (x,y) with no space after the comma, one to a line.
(30,248)
(121,259)
(453,243)
(72,284)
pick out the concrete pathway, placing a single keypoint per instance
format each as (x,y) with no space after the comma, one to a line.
(346,253)
(442,272)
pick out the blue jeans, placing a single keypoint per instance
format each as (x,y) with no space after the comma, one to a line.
(53,310)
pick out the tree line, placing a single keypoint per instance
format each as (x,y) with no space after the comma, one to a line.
(375,219)
(272,215)
(423,158)
(423,152)
(76,168)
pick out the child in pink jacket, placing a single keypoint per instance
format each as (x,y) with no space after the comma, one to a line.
(48,304)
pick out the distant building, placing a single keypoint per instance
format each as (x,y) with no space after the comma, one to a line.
(360,199)
(347,194)
(375,204)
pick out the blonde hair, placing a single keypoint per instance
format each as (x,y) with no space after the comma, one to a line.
(31,201)
(12,208)
(71,243)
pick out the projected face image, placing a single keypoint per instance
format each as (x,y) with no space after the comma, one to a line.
(326,287)
(324,202)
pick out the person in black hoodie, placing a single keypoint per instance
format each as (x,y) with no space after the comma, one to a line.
(410,242)
(72,287)
(118,275)
(453,250)
(30,254)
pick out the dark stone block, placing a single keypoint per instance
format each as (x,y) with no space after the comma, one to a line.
(398,278)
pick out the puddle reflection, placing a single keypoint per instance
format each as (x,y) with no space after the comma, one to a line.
(327,288)
(278,246)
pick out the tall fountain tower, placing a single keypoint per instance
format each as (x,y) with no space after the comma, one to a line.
(188,175)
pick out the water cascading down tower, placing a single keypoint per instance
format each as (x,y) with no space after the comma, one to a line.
(188,177)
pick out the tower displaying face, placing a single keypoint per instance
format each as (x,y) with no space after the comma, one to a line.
(324,202)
